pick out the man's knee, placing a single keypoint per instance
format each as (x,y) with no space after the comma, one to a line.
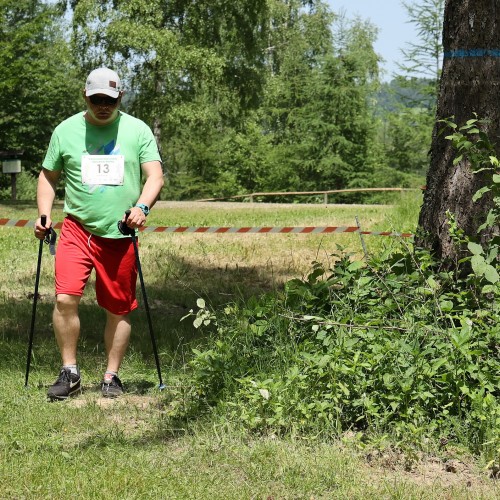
(67,303)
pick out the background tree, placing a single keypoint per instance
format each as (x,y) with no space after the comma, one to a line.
(423,59)
(409,100)
(246,96)
(220,82)
(38,85)
(469,85)
(317,128)
(192,70)
(299,42)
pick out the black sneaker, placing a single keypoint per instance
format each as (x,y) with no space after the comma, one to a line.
(66,385)
(112,389)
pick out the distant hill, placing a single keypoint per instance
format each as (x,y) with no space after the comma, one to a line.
(409,93)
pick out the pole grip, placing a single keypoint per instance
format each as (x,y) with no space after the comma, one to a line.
(123,228)
(43,220)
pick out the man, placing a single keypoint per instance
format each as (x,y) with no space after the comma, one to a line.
(102,152)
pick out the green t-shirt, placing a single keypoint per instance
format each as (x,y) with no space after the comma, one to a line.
(98,207)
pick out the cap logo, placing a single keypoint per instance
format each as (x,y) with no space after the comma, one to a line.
(112,84)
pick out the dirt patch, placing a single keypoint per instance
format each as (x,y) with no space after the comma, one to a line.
(430,471)
(140,402)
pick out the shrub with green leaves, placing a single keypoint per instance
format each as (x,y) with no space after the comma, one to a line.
(387,346)
(392,344)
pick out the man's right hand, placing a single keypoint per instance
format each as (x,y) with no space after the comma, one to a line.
(41,226)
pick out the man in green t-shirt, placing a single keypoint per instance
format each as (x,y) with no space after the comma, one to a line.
(103,153)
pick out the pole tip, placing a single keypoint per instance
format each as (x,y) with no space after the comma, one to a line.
(161,387)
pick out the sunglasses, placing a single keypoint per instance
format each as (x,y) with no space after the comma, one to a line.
(103,100)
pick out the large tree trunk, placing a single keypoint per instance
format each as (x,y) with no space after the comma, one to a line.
(469,84)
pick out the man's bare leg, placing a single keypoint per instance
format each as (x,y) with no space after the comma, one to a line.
(116,339)
(67,326)
(67,331)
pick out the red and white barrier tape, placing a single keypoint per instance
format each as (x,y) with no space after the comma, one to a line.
(233,230)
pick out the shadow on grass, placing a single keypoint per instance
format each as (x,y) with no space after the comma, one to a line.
(171,297)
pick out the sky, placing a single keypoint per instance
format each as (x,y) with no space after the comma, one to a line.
(394,30)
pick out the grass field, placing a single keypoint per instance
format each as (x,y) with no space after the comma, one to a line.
(130,448)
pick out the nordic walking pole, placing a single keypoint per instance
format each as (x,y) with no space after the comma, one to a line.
(43,219)
(124,229)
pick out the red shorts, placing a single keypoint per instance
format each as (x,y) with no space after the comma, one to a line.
(78,252)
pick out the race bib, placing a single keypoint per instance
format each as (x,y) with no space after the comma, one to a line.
(103,169)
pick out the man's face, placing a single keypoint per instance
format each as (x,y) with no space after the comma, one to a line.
(102,108)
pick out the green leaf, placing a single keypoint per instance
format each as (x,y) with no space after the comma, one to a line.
(492,255)
(478,264)
(432,283)
(446,305)
(354,266)
(200,303)
(324,360)
(475,248)
(468,123)
(490,221)
(479,194)
(197,322)
(491,274)
(364,280)
(464,390)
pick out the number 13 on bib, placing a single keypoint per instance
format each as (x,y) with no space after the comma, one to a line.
(103,169)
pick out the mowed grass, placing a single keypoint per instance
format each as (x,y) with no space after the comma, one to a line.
(131,448)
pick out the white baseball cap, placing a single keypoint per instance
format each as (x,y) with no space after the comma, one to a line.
(103,81)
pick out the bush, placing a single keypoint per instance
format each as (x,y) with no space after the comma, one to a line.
(393,345)
(25,188)
(388,346)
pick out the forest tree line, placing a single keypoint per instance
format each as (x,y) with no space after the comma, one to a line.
(254,95)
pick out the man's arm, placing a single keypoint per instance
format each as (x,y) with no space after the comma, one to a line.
(150,192)
(45,195)
(154,182)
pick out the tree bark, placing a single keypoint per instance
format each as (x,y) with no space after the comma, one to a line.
(469,85)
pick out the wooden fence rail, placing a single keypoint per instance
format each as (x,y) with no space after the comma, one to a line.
(325,194)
